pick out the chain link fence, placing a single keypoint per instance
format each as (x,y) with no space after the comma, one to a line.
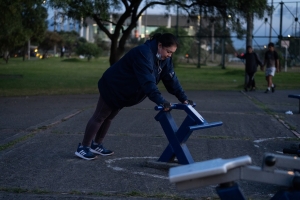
(282,28)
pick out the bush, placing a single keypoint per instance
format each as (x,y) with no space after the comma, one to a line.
(89,50)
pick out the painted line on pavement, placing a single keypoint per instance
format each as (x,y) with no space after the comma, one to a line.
(110,163)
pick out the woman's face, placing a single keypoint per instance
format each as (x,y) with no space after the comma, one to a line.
(166,52)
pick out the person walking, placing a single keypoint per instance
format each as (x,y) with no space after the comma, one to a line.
(251,62)
(128,82)
(62,51)
(271,62)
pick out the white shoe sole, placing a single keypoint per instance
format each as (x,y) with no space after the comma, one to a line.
(81,156)
(99,153)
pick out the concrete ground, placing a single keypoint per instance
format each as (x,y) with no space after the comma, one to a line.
(39,135)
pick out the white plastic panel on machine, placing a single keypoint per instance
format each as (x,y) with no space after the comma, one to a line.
(206,168)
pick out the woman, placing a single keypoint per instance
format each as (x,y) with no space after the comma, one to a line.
(128,82)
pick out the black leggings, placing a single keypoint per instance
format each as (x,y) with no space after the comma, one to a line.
(251,81)
(99,123)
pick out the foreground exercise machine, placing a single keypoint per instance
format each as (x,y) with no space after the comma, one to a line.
(276,169)
(295,150)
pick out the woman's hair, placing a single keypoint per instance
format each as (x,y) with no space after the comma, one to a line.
(166,39)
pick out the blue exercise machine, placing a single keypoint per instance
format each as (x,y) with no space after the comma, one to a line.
(177,137)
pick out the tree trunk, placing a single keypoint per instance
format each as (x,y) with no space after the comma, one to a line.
(44,55)
(248,40)
(24,52)
(249,29)
(6,56)
(28,49)
(117,47)
(115,51)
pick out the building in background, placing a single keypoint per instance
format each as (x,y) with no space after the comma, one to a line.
(145,25)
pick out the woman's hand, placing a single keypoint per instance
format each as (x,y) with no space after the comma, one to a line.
(190,102)
(166,106)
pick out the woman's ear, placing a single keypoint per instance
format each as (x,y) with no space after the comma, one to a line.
(159,46)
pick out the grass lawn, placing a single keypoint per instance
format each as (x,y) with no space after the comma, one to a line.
(74,76)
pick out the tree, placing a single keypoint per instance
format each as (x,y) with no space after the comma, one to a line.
(34,16)
(99,11)
(20,21)
(31,28)
(69,40)
(49,41)
(10,22)
(88,50)
(247,10)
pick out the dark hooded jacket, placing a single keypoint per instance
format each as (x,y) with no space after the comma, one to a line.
(252,61)
(136,75)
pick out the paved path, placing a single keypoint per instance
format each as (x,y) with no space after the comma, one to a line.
(39,135)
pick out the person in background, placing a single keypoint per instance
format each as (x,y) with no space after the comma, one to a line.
(251,62)
(271,62)
(128,82)
(62,51)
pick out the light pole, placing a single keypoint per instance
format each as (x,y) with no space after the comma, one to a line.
(271,19)
(285,44)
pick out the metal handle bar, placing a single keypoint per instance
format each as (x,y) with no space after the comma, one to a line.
(173,106)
